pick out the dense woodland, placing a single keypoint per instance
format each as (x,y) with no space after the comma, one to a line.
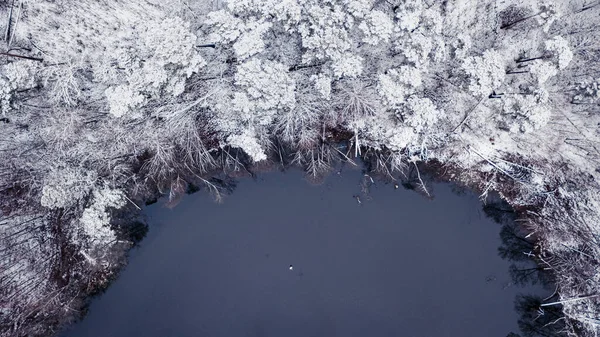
(107,104)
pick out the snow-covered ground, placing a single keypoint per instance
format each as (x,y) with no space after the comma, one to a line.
(107,103)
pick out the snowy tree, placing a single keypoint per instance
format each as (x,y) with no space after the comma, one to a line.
(395,84)
(66,186)
(409,14)
(559,48)
(526,113)
(486,72)
(5,96)
(587,92)
(156,66)
(347,65)
(542,71)
(377,27)
(262,90)
(268,85)
(226,27)
(422,113)
(323,85)
(324,34)
(20,74)
(461,46)
(15,76)
(246,37)
(392,91)
(96,218)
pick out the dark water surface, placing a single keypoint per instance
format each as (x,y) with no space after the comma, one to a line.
(395,265)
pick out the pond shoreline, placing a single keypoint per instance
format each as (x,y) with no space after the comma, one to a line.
(326,222)
(99,277)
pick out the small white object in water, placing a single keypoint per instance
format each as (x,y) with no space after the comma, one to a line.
(291,267)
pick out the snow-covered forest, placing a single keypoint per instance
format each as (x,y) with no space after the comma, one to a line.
(107,104)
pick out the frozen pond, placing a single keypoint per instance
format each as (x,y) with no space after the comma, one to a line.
(397,264)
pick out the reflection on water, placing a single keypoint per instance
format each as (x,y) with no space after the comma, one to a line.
(519,249)
(368,259)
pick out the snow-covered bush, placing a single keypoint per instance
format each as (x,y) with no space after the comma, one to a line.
(19,75)
(587,92)
(323,85)
(248,142)
(95,219)
(123,99)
